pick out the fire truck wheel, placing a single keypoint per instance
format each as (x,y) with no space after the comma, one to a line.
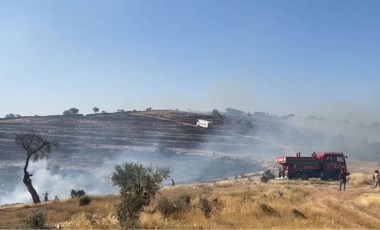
(304,177)
(298,176)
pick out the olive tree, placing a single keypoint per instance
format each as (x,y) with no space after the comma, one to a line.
(95,109)
(36,148)
(138,185)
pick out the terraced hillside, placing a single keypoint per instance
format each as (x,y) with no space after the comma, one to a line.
(163,130)
(100,132)
(95,143)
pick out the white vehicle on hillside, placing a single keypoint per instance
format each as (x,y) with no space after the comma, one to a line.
(203,123)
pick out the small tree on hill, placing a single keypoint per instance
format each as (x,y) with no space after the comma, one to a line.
(10,116)
(36,148)
(95,109)
(138,185)
(71,111)
(217,114)
(74,110)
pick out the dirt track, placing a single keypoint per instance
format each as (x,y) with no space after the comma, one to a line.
(327,197)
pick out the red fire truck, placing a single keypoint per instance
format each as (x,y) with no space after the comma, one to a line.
(324,165)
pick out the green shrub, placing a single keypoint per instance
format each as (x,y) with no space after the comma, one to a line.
(185,198)
(264,179)
(267,175)
(165,206)
(75,193)
(138,185)
(169,207)
(84,200)
(36,220)
(206,207)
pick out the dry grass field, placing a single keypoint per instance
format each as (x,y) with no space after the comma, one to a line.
(229,204)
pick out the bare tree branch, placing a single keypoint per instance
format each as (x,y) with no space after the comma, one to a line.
(36,148)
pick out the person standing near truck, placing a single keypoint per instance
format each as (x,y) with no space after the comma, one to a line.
(343,176)
(376,179)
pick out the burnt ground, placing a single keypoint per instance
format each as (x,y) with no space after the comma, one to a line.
(163,131)
(92,143)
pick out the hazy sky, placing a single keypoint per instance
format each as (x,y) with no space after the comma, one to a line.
(305,57)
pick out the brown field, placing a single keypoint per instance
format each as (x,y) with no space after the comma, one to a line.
(241,203)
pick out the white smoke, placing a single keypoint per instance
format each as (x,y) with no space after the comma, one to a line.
(58,182)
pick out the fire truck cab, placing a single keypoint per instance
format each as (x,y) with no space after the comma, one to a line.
(323,165)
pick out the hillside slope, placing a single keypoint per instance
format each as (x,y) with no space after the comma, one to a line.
(90,147)
(150,130)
